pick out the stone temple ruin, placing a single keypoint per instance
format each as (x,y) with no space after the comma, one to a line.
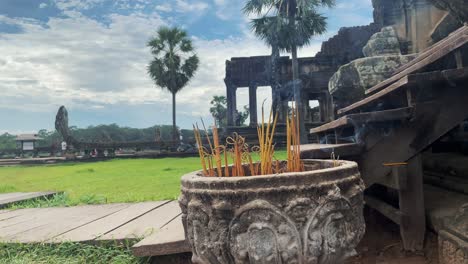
(356,57)
(392,97)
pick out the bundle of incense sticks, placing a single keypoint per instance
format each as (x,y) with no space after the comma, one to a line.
(215,158)
(266,133)
(294,162)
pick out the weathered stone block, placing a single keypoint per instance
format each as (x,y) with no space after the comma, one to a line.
(384,42)
(452,250)
(308,217)
(351,81)
(453,241)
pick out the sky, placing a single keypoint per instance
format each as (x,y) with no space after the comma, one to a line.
(91,56)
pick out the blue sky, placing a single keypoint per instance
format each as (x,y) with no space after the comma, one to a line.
(91,56)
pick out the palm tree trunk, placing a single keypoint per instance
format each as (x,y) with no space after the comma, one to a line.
(174,126)
(298,96)
(275,85)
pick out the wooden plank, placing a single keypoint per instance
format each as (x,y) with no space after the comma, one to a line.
(21,216)
(368,117)
(107,224)
(20,197)
(169,240)
(434,55)
(26,221)
(58,221)
(323,151)
(384,208)
(7,196)
(8,214)
(401,83)
(407,81)
(146,224)
(427,51)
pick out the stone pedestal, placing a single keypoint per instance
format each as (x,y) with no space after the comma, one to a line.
(308,217)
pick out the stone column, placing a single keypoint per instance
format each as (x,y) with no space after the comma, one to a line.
(231,102)
(253,105)
(329,112)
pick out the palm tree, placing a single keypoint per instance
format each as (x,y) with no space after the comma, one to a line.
(286,25)
(174,63)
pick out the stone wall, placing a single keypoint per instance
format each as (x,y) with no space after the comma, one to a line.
(347,44)
(415,20)
(457,8)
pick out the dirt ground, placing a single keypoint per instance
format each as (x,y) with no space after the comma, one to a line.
(382,244)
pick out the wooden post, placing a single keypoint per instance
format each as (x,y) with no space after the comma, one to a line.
(413,224)
(459,59)
(409,97)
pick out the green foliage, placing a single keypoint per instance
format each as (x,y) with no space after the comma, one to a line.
(101,133)
(67,253)
(287,23)
(174,61)
(7,141)
(218,110)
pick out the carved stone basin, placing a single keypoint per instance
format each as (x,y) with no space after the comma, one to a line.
(308,217)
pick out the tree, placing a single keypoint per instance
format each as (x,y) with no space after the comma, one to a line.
(287,25)
(218,110)
(174,63)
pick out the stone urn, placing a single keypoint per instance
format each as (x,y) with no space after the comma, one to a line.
(305,217)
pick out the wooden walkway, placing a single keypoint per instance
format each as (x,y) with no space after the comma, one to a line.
(90,223)
(10,198)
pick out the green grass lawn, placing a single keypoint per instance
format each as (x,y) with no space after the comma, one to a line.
(129,180)
(70,253)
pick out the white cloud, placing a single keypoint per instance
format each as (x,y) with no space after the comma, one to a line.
(77,4)
(77,59)
(166,7)
(42,5)
(81,63)
(185,6)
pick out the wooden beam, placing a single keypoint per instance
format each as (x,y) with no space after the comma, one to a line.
(323,151)
(424,60)
(452,75)
(402,82)
(368,117)
(459,59)
(427,51)
(384,208)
